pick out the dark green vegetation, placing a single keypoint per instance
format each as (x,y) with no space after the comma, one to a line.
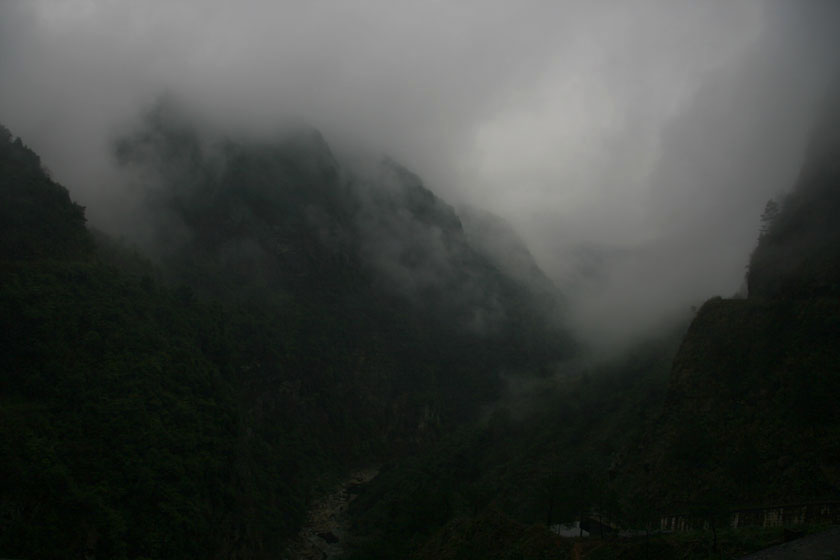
(751,416)
(492,536)
(544,456)
(136,419)
(37,218)
(298,321)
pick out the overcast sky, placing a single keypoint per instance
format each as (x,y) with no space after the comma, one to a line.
(638,138)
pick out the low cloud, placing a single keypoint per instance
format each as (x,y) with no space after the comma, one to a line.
(631,144)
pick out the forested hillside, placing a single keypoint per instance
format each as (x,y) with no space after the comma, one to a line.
(131,421)
(544,455)
(374,255)
(37,217)
(750,417)
(193,407)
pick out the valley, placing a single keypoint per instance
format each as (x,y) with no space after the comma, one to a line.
(419,281)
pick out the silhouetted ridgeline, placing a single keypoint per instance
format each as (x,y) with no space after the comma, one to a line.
(375,252)
(37,217)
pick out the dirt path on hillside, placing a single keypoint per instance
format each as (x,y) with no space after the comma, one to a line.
(323,535)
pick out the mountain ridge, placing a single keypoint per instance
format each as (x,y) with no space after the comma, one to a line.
(193,407)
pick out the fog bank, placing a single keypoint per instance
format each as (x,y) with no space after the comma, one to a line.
(631,144)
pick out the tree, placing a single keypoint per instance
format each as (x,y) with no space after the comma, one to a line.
(768,217)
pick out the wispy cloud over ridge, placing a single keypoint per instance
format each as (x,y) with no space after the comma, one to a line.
(639,138)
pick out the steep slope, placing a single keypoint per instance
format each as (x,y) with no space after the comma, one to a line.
(798,253)
(751,414)
(497,239)
(196,416)
(37,217)
(134,417)
(280,221)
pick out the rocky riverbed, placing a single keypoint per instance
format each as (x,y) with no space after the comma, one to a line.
(323,536)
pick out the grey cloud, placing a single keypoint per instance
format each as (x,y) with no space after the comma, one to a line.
(639,138)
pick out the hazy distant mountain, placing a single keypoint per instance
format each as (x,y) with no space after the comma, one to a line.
(495,238)
(283,215)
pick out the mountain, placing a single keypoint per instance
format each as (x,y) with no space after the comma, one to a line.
(282,218)
(126,423)
(294,320)
(750,417)
(496,239)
